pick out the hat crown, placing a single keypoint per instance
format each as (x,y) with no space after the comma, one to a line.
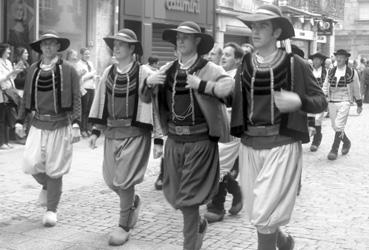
(127,33)
(50,34)
(270,9)
(190,25)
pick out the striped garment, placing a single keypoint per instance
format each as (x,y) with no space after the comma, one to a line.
(260,82)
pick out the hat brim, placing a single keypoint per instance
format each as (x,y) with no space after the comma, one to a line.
(342,54)
(109,40)
(64,44)
(205,45)
(318,55)
(287,28)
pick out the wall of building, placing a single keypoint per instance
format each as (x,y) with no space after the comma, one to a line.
(353,33)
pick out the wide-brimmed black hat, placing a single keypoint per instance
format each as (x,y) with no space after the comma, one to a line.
(342,52)
(51,34)
(318,55)
(189,27)
(125,35)
(272,13)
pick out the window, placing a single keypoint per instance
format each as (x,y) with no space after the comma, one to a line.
(67,17)
(363,11)
(46,4)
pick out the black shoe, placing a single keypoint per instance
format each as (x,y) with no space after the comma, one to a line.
(346,145)
(201,234)
(159,183)
(214,215)
(285,242)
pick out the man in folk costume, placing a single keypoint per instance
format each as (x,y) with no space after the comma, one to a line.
(194,120)
(228,152)
(118,108)
(273,92)
(52,92)
(320,74)
(341,86)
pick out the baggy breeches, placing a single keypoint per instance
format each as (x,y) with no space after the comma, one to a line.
(269,182)
(48,151)
(339,112)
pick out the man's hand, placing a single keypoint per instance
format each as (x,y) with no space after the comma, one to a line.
(92,141)
(287,101)
(359,110)
(155,79)
(76,134)
(193,82)
(158,151)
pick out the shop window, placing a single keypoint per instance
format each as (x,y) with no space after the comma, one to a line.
(46,4)
(67,17)
(20,23)
(364,11)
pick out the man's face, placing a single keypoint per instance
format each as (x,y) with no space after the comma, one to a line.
(228,61)
(122,50)
(214,56)
(341,60)
(328,63)
(187,43)
(49,47)
(86,55)
(317,62)
(263,35)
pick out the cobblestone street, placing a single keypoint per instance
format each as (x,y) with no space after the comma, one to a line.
(332,211)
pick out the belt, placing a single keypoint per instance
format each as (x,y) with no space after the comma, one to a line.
(51,118)
(119,123)
(188,130)
(262,130)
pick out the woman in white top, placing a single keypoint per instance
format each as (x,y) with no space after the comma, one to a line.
(88,85)
(7,75)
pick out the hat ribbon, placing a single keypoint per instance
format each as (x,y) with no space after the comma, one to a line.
(125,36)
(267,12)
(185,27)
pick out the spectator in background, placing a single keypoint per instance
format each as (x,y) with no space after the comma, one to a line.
(8,94)
(328,64)
(72,57)
(153,63)
(215,54)
(228,152)
(21,58)
(88,85)
(365,84)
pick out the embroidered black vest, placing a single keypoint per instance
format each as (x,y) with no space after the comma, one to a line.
(322,77)
(182,96)
(348,78)
(262,88)
(122,88)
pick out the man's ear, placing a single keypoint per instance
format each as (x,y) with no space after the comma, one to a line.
(132,48)
(58,45)
(197,40)
(277,33)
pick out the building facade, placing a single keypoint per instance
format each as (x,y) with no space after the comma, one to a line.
(228,27)
(149,18)
(353,31)
(84,22)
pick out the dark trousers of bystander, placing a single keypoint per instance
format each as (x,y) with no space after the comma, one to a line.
(4,124)
(86,106)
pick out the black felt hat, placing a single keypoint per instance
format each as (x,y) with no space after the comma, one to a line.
(189,27)
(125,35)
(342,52)
(51,34)
(272,13)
